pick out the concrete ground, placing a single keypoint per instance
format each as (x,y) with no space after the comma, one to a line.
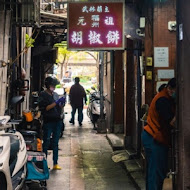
(85,158)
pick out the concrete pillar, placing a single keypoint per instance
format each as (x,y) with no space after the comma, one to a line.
(5,21)
(26,64)
(183,69)
(129,94)
(118,92)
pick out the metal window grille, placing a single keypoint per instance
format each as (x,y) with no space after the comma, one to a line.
(24,12)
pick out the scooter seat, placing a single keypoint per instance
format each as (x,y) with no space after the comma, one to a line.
(25,132)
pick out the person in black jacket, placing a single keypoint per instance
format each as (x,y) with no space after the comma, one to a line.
(77,97)
(51,107)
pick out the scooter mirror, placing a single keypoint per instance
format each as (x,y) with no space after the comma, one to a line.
(17,100)
(93,88)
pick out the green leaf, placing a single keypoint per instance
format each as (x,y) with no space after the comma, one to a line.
(29,41)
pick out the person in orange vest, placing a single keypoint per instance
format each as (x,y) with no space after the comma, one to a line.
(156,135)
(162,87)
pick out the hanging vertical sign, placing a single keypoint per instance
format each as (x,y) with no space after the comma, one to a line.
(95,26)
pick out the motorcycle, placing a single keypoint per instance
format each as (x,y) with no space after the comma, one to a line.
(31,127)
(32,133)
(13,156)
(93,110)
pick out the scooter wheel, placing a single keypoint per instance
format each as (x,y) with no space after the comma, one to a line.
(3,182)
(88,112)
(25,187)
(43,184)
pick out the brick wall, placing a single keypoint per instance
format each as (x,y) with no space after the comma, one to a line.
(163,12)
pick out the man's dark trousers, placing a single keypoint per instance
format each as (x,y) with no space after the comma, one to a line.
(80,113)
(157,162)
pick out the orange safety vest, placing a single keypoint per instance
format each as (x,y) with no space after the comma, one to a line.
(157,127)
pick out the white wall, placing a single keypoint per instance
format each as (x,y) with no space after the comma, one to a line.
(5,19)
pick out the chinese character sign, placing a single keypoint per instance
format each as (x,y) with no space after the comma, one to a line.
(95,25)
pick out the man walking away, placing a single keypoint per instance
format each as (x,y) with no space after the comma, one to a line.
(77,97)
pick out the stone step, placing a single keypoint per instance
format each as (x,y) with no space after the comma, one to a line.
(116,141)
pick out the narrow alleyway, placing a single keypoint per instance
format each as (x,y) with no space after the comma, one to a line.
(85,158)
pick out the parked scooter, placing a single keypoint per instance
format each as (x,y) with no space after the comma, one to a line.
(31,130)
(93,110)
(31,126)
(32,133)
(13,156)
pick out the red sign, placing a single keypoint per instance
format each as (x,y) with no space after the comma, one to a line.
(95,26)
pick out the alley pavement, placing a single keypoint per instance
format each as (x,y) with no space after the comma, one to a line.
(86,161)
